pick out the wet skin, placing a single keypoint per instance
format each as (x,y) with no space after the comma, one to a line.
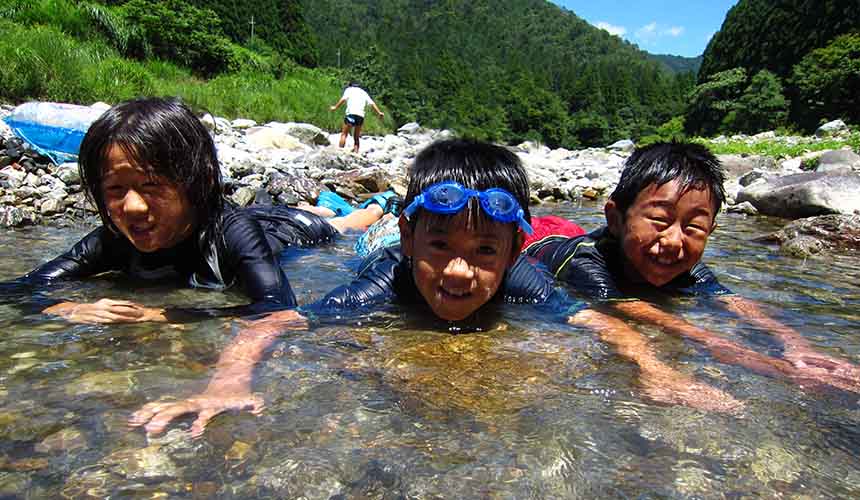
(153,212)
(664,232)
(457,267)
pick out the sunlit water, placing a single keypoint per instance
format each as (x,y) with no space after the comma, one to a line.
(384,407)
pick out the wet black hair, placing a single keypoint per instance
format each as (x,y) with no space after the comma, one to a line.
(164,136)
(474,164)
(692,164)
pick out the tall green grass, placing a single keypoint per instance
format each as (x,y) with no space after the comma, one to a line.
(44,63)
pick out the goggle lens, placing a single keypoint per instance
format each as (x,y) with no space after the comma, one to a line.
(450,197)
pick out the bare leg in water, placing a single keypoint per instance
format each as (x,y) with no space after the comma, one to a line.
(359,219)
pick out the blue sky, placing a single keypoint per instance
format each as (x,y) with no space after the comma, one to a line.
(676,27)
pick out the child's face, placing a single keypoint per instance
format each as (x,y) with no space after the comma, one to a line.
(664,231)
(456,266)
(151,211)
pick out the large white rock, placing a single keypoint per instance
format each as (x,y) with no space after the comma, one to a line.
(831,128)
(805,195)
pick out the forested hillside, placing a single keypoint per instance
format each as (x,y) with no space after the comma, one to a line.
(679,64)
(501,69)
(774,63)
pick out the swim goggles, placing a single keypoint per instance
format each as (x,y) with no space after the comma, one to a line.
(449,197)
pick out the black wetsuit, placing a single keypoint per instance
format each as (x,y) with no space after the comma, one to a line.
(592,265)
(243,250)
(385,276)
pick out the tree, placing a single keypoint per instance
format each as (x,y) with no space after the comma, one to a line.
(712,101)
(761,107)
(826,81)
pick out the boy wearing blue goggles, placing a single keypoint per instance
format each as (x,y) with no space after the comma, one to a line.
(450,197)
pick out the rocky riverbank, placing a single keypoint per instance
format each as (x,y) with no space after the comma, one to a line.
(286,163)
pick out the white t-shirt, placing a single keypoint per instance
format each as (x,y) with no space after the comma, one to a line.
(356,99)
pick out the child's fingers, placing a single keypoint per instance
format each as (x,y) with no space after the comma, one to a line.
(203,419)
(162,418)
(145,413)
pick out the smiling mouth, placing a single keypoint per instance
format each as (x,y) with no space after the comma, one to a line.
(455,293)
(138,230)
(666,261)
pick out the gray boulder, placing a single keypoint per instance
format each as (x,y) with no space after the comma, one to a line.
(838,160)
(835,127)
(805,195)
(737,165)
(625,145)
(304,132)
(409,128)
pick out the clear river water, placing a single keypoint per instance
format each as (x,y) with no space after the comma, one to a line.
(388,407)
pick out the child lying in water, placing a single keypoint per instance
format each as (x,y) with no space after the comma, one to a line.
(151,168)
(659,219)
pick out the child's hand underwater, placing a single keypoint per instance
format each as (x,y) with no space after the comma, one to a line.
(106,311)
(155,416)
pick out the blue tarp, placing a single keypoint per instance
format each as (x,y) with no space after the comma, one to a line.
(53,129)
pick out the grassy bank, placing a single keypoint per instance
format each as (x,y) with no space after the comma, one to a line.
(780,147)
(44,63)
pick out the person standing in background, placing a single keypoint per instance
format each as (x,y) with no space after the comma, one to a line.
(356,100)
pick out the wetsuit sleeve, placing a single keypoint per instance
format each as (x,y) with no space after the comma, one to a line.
(578,264)
(530,282)
(704,282)
(97,252)
(256,267)
(374,284)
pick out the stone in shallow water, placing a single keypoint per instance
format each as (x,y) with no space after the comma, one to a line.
(106,382)
(65,440)
(146,464)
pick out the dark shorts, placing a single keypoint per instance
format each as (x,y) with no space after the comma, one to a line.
(353,120)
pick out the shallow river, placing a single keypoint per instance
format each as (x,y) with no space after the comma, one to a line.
(386,407)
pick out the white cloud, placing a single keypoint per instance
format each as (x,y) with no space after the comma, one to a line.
(674,31)
(648,34)
(612,29)
(647,31)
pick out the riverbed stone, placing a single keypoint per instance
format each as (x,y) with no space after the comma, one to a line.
(69,173)
(119,383)
(243,196)
(805,195)
(813,235)
(839,159)
(65,440)
(625,145)
(51,206)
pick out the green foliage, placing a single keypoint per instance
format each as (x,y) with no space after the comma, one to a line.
(763,34)
(278,23)
(761,107)
(180,32)
(711,102)
(810,164)
(460,64)
(827,82)
(777,148)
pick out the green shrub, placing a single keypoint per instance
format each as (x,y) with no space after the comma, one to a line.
(116,79)
(181,33)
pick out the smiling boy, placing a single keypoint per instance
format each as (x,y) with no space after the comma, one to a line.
(659,219)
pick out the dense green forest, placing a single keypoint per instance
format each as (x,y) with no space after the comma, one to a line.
(779,63)
(506,70)
(499,69)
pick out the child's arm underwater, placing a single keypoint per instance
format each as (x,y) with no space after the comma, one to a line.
(727,351)
(796,349)
(230,386)
(661,382)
